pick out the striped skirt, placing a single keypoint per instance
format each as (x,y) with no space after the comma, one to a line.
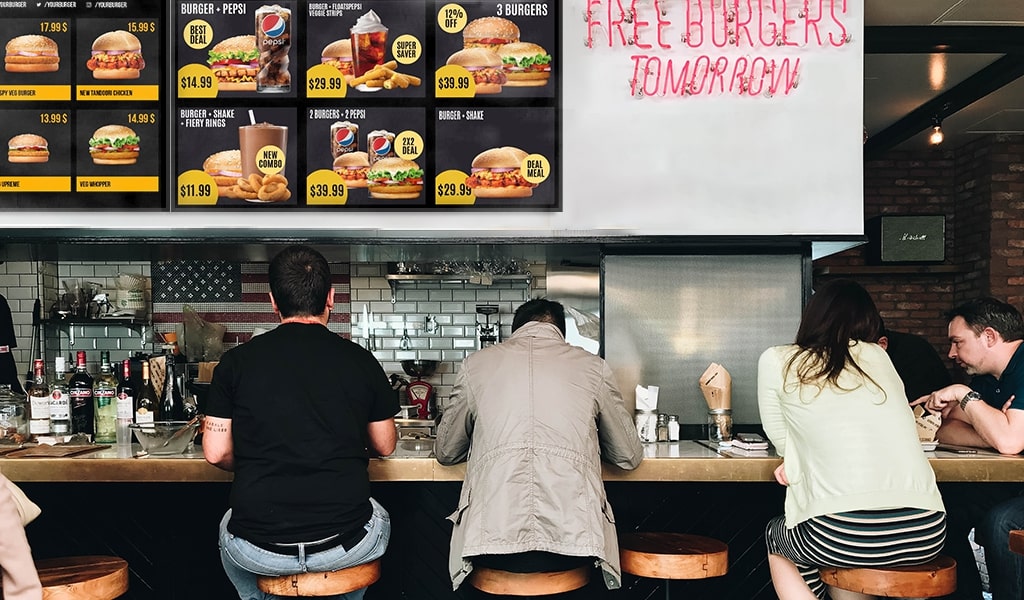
(863,538)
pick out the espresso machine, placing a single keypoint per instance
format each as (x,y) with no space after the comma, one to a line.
(488,333)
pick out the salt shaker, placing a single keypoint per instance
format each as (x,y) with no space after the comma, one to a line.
(673,428)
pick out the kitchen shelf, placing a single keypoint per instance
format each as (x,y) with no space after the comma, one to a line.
(892,270)
(124,321)
(396,279)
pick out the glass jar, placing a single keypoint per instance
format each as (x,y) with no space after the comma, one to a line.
(720,425)
(13,416)
(647,425)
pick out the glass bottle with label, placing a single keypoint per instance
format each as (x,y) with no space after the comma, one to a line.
(172,407)
(125,404)
(39,401)
(104,393)
(80,390)
(60,401)
(145,400)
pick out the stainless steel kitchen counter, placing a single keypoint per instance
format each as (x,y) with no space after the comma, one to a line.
(677,461)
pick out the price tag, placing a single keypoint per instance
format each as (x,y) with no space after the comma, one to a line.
(324,81)
(142,26)
(196,188)
(198,34)
(536,168)
(196,81)
(454,81)
(406,49)
(452,18)
(325,188)
(408,145)
(452,189)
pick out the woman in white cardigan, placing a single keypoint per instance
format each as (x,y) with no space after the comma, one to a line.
(860,491)
(20,580)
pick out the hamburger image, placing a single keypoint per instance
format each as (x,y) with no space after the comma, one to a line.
(235,63)
(114,145)
(490,33)
(496,173)
(225,168)
(395,179)
(485,67)
(526,64)
(116,55)
(27,148)
(31,54)
(353,168)
(338,54)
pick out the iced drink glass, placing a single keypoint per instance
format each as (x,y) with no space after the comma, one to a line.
(253,137)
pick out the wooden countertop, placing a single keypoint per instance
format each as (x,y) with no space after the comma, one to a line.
(677,461)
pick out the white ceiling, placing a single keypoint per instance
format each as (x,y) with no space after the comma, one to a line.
(896,84)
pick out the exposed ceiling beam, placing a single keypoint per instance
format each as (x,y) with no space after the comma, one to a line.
(979,85)
(929,39)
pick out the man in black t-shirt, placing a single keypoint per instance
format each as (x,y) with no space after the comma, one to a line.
(294,413)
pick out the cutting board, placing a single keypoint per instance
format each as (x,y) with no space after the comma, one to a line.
(45,451)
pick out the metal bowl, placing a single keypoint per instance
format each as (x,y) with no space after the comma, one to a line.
(420,368)
(163,437)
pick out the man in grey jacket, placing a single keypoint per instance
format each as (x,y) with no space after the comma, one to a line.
(535,416)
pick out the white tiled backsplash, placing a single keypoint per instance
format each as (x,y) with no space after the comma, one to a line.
(453,306)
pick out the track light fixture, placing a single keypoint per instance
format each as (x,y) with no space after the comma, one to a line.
(937,136)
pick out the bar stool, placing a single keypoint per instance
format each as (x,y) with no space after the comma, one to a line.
(669,556)
(1017,541)
(507,583)
(932,579)
(92,577)
(328,583)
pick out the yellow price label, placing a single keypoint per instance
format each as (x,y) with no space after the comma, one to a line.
(454,81)
(452,18)
(198,34)
(196,81)
(196,188)
(270,159)
(451,189)
(406,49)
(325,188)
(324,81)
(535,168)
(408,145)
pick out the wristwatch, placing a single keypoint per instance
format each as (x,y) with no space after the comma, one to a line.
(968,397)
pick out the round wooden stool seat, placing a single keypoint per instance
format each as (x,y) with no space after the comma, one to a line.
(506,583)
(673,555)
(1017,541)
(327,583)
(83,577)
(929,580)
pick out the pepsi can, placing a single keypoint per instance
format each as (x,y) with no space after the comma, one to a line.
(380,144)
(274,41)
(344,138)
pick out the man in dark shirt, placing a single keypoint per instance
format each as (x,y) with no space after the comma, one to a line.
(986,337)
(8,342)
(292,414)
(917,363)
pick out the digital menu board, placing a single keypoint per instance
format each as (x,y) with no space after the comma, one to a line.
(82,103)
(376,106)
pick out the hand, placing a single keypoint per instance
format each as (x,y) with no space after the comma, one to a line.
(1006,406)
(944,400)
(780,475)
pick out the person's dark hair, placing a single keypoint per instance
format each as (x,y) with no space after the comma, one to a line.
(300,280)
(839,312)
(540,309)
(990,312)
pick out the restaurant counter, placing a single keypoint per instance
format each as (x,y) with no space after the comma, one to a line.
(663,462)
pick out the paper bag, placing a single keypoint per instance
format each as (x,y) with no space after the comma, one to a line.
(716,385)
(927,424)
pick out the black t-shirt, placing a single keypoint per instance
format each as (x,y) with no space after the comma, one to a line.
(1010,384)
(299,399)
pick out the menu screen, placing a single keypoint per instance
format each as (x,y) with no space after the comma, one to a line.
(377,106)
(82,105)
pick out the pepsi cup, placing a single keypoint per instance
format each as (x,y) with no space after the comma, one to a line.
(380,144)
(344,138)
(274,41)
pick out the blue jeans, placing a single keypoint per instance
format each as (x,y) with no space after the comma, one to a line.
(243,562)
(1005,568)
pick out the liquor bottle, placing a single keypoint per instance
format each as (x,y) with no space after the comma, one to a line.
(125,403)
(104,394)
(60,401)
(145,399)
(39,401)
(80,390)
(172,407)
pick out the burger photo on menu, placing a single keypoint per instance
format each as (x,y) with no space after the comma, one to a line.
(526,64)
(485,67)
(235,63)
(116,55)
(489,32)
(338,54)
(353,168)
(225,167)
(395,179)
(496,173)
(28,148)
(114,145)
(31,54)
